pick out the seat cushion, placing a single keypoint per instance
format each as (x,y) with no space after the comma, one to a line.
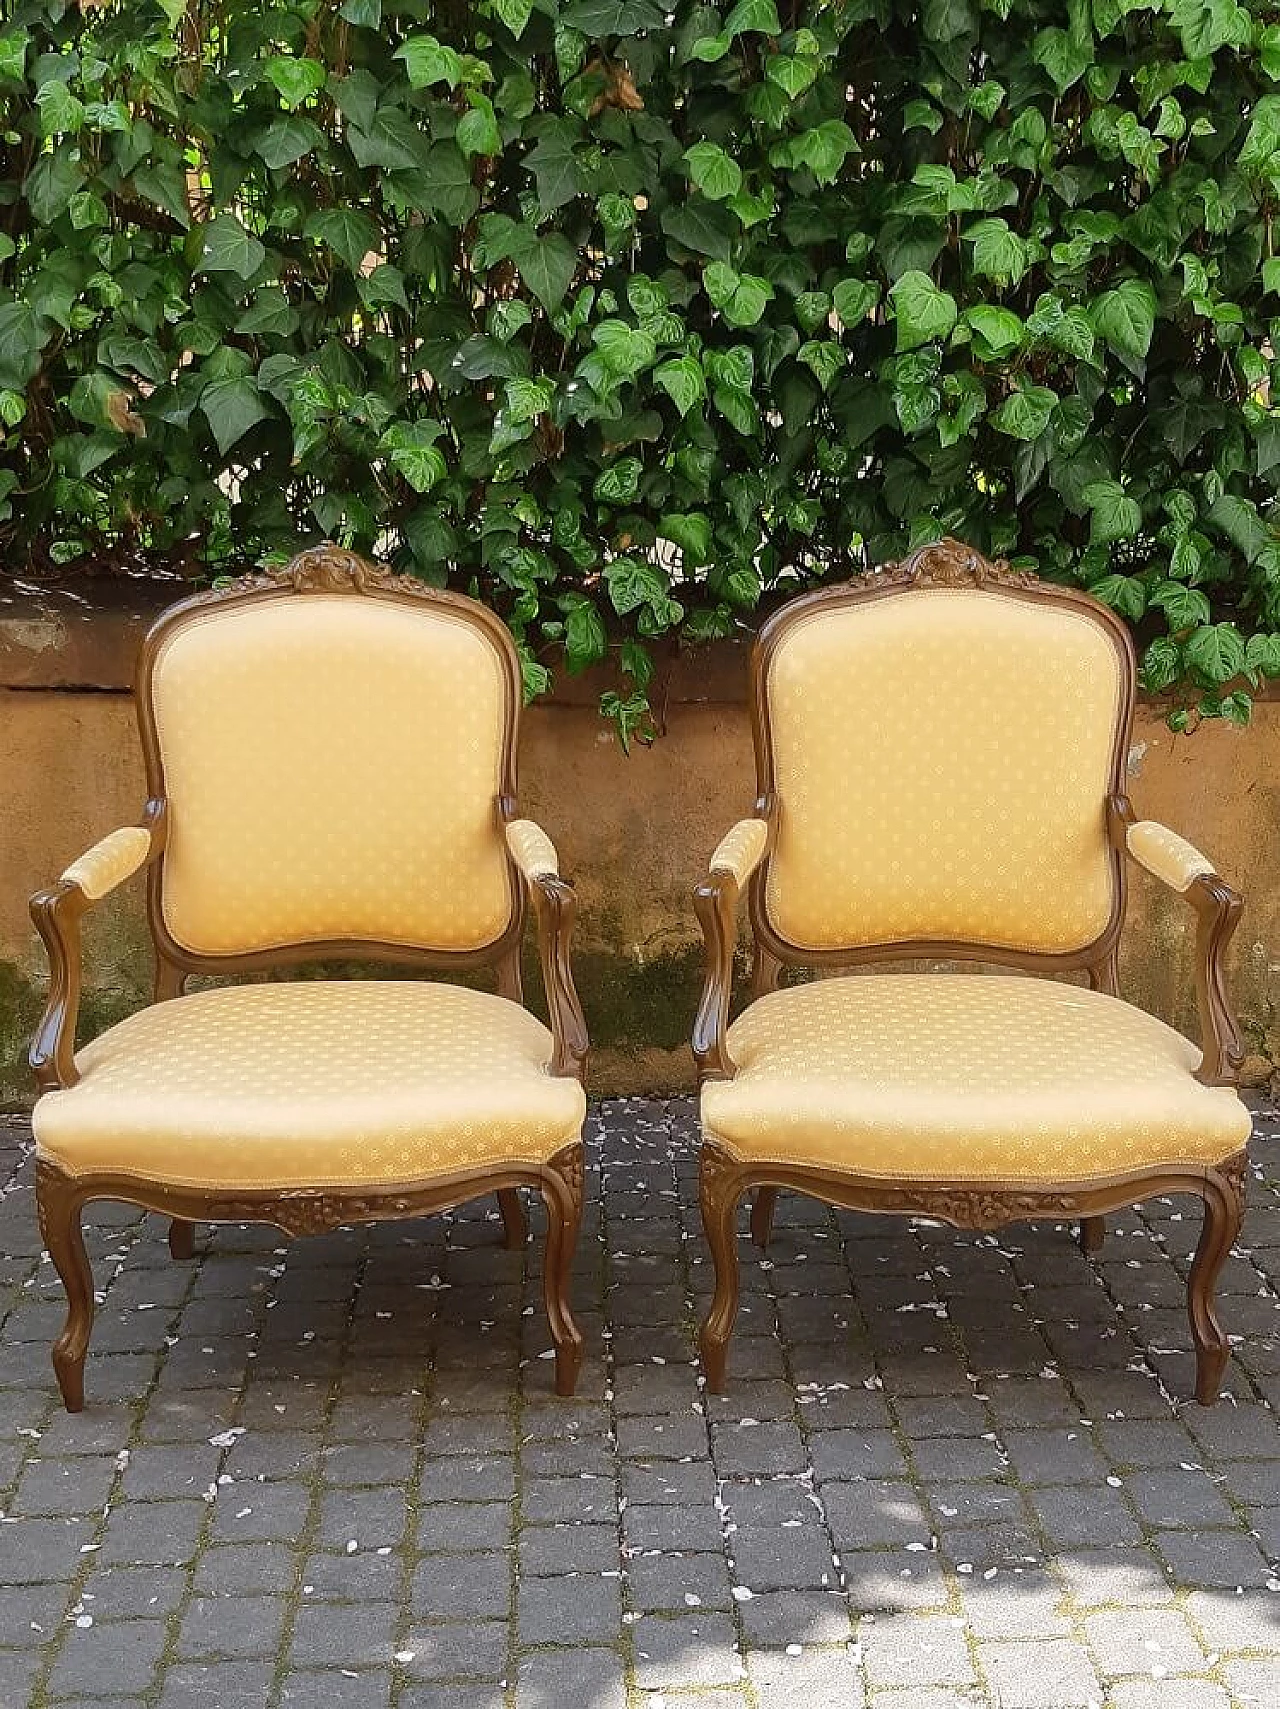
(341,1083)
(956,1077)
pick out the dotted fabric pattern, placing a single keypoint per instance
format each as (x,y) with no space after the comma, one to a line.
(942,761)
(532,849)
(344,1083)
(110,861)
(966,1077)
(739,850)
(1166,855)
(332,764)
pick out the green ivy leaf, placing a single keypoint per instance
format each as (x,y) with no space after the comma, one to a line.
(711,169)
(691,532)
(681,379)
(1215,653)
(586,641)
(410,448)
(295,80)
(547,266)
(999,331)
(350,235)
(741,297)
(1025,413)
(1126,317)
(1124,594)
(620,482)
(228,248)
(232,407)
(612,17)
(923,312)
(1113,514)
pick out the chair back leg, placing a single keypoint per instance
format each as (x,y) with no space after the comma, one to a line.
(562,1195)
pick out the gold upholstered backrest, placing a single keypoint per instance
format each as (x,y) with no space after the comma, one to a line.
(939,746)
(331,746)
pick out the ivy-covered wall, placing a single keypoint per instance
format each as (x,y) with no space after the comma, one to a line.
(624,315)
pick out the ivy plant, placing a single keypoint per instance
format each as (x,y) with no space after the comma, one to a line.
(629,316)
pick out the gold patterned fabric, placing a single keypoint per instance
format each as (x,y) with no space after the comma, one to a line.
(1166,855)
(340,1083)
(955,1077)
(532,849)
(110,861)
(739,850)
(942,764)
(332,765)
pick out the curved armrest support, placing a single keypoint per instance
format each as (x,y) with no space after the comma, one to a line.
(1180,865)
(57,913)
(737,856)
(554,906)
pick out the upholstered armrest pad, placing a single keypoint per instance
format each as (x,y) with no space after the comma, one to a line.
(109,862)
(532,850)
(740,850)
(1166,855)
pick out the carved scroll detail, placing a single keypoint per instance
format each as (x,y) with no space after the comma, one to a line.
(947,563)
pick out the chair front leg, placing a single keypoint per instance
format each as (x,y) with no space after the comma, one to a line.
(766,1201)
(59,1201)
(562,1195)
(720,1187)
(1223,1215)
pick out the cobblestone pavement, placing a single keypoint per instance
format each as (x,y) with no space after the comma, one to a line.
(953,1470)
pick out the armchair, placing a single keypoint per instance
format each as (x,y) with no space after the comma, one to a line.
(330,755)
(940,754)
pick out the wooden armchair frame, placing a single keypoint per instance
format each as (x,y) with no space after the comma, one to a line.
(742,864)
(58,911)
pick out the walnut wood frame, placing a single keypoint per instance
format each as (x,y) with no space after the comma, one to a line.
(57,913)
(724,1178)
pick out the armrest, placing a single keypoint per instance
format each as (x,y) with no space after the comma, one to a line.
(1181,866)
(1166,855)
(736,857)
(57,913)
(554,907)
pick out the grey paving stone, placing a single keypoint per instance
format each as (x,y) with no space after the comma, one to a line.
(359,1635)
(1166,1694)
(586,1676)
(458,1650)
(1228,1622)
(1055,1674)
(1135,1641)
(1203,1559)
(787,1557)
(548,1550)
(576,1609)
(661,1583)
(1055,1456)
(118,1657)
(781,1617)
(1254,1684)
(927,1650)
(694,1649)
(454,1697)
(1068,1522)
(339,1688)
(216,1628)
(245,1569)
(457,1586)
(256,1512)
(216,1685)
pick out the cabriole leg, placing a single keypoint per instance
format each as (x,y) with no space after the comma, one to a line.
(1223,1214)
(58,1206)
(719,1189)
(562,1195)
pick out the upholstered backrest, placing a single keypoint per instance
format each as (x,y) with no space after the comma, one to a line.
(332,762)
(941,757)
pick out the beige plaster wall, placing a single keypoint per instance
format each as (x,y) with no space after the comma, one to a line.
(634,831)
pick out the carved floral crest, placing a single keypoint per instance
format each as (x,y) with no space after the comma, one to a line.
(947,563)
(326,568)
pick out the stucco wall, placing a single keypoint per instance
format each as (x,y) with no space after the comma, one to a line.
(634,831)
